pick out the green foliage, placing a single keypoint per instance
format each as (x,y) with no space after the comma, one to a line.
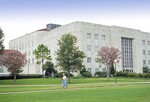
(1,40)
(85,73)
(69,57)
(146,69)
(128,74)
(42,53)
(100,74)
(49,68)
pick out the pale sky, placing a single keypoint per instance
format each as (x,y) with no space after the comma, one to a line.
(19,17)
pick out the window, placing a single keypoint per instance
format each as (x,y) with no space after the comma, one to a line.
(96,48)
(143,42)
(89,35)
(32,60)
(89,60)
(103,37)
(96,69)
(103,69)
(1,70)
(89,47)
(148,42)
(95,36)
(89,69)
(96,59)
(148,62)
(144,52)
(144,62)
(148,52)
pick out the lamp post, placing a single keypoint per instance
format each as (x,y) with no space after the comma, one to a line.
(115,62)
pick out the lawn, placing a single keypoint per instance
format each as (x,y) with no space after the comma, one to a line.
(80,90)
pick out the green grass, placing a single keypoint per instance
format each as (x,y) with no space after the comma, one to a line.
(80,90)
(49,81)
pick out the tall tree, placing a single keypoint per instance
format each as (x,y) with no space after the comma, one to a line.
(13,60)
(69,57)
(1,40)
(107,56)
(42,53)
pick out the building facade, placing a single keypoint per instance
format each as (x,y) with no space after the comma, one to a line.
(134,45)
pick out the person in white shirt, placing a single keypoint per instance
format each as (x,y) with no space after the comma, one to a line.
(64,81)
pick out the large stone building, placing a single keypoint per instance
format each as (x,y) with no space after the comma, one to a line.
(134,45)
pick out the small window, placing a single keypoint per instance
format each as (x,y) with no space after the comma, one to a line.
(89,47)
(89,35)
(148,42)
(96,69)
(103,37)
(89,69)
(89,60)
(148,62)
(143,42)
(144,52)
(148,52)
(144,62)
(96,36)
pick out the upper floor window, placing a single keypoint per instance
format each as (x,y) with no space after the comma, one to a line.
(103,37)
(144,52)
(144,62)
(148,42)
(148,52)
(143,42)
(89,35)
(89,47)
(89,60)
(95,36)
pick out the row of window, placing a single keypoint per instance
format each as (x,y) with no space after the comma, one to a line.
(96,36)
(144,62)
(144,52)
(144,42)
(23,46)
(89,48)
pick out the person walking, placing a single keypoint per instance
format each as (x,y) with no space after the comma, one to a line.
(64,81)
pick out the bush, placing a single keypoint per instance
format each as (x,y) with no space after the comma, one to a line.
(100,74)
(87,74)
(23,76)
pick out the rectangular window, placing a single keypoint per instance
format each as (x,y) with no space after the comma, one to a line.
(148,42)
(144,53)
(148,52)
(103,37)
(127,52)
(103,69)
(96,60)
(143,42)
(89,69)
(96,69)
(1,70)
(89,47)
(89,35)
(96,48)
(144,62)
(89,60)
(148,62)
(32,60)
(96,36)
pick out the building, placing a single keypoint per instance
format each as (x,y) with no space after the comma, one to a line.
(134,45)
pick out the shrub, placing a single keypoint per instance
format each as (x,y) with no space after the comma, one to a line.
(100,74)
(87,74)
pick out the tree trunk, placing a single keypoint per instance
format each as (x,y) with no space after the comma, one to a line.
(43,69)
(108,73)
(68,76)
(14,77)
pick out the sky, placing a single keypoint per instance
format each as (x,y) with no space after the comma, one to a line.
(19,17)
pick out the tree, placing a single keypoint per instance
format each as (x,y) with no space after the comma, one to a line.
(146,69)
(1,40)
(69,57)
(107,56)
(13,60)
(49,67)
(42,53)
